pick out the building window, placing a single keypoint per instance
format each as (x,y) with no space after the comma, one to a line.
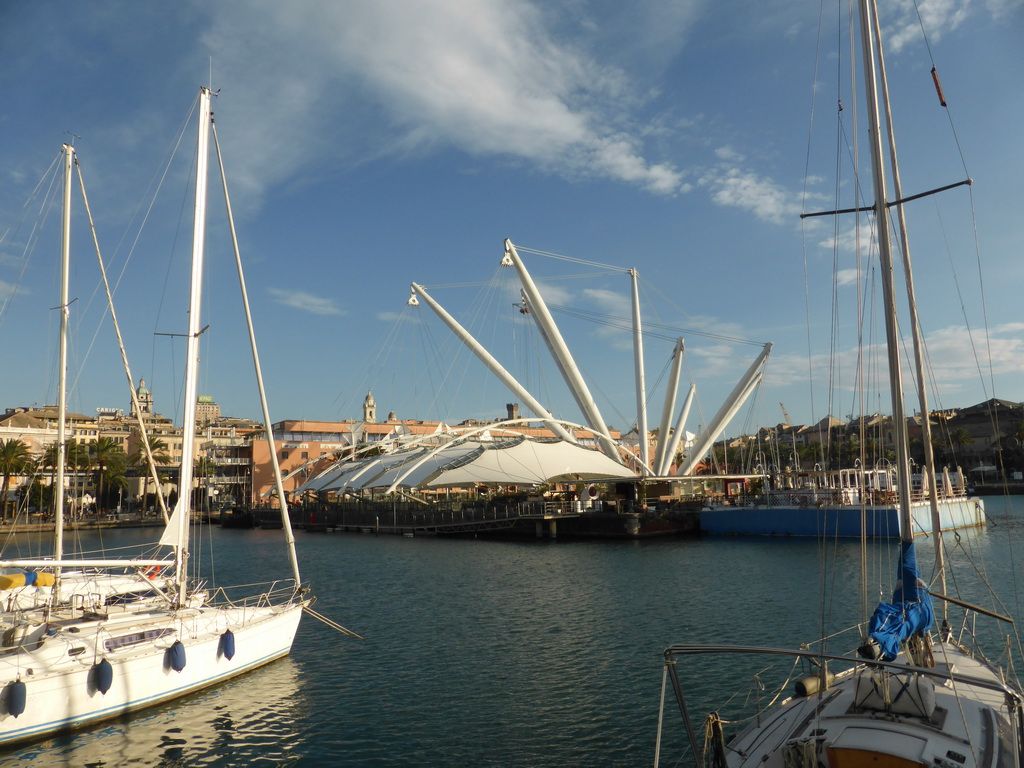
(305,455)
(284,455)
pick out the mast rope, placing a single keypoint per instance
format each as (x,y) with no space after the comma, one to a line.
(32,240)
(147,447)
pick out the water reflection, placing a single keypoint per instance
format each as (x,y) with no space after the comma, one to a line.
(510,653)
(250,721)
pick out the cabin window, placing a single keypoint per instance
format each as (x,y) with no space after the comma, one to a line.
(135,638)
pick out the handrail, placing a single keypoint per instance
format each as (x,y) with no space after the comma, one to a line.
(690,649)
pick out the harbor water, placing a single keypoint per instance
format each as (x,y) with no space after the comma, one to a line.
(501,653)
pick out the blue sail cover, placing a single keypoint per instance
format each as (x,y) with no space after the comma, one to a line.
(910,611)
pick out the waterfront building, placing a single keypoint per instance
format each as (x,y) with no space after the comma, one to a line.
(236,465)
(207,410)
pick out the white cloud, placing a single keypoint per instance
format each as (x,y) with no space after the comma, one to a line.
(957,359)
(720,360)
(745,189)
(616,305)
(7,290)
(553,293)
(847,240)
(612,302)
(936,16)
(729,154)
(307,302)
(1002,8)
(957,355)
(487,78)
(846,277)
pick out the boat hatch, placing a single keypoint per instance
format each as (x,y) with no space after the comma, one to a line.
(998,740)
(890,749)
(912,695)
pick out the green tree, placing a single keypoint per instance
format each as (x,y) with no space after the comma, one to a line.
(960,438)
(201,470)
(108,457)
(161,458)
(39,496)
(49,461)
(13,460)
(811,454)
(1018,432)
(1017,438)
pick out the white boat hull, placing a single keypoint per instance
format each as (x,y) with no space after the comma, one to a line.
(61,690)
(868,715)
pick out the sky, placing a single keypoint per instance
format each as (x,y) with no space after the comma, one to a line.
(369,145)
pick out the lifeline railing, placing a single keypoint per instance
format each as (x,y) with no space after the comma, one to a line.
(1013,696)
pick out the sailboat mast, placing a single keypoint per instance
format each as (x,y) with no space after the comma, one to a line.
(915,331)
(188,431)
(867,12)
(62,386)
(286,522)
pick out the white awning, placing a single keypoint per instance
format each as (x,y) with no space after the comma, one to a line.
(519,461)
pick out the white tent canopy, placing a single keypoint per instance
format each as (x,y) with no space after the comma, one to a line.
(516,461)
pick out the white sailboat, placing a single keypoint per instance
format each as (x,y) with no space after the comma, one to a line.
(71,663)
(909,696)
(88,589)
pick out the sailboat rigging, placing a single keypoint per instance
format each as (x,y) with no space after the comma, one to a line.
(22,589)
(68,664)
(915,697)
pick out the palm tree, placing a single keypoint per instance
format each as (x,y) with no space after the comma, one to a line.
(13,459)
(77,457)
(30,470)
(960,438)
(1017,435)
(1018,432)
(109,459)
(158,448)
(202,469)
(49,461)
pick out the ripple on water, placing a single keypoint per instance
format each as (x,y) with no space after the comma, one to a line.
(493,653)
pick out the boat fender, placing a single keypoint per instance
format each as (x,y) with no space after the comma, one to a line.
(16,695)
(176,656)
(102,676)
(227,644)
(812,684)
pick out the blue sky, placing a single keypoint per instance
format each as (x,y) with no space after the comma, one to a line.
(369,145)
